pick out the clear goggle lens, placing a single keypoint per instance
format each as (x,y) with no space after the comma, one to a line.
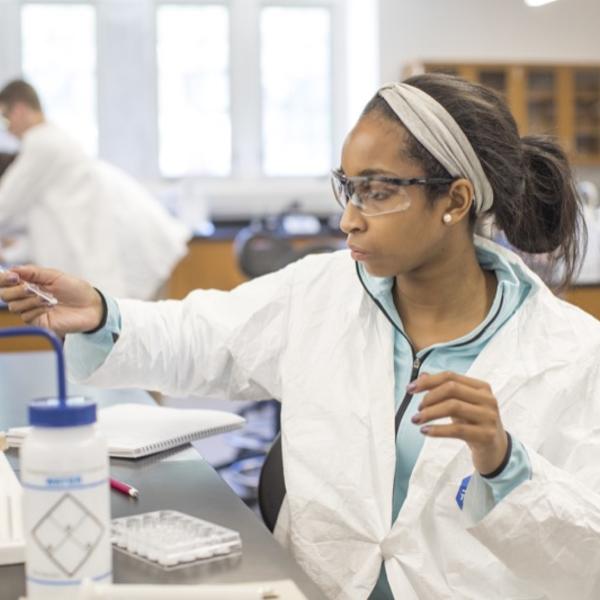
(371,196)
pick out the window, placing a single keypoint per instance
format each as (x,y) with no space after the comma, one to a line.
(193,90)
(59,59)
(296,90)
(248,99)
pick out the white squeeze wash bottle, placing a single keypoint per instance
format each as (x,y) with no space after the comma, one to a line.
(66,512)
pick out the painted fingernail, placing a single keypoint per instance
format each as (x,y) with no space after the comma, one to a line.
(411,387)
(12,278)
(425,429)
(416,418)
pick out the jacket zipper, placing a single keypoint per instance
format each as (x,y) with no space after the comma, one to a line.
(417,362)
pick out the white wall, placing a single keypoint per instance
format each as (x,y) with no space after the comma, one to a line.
(486,30)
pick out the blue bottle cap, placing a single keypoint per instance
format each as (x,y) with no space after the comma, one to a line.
(49,412)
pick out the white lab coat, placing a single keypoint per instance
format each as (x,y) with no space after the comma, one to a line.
(310,336)
(87,218)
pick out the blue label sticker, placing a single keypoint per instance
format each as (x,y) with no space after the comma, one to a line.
(462,490)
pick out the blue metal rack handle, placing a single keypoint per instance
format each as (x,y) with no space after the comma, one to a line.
(9,332)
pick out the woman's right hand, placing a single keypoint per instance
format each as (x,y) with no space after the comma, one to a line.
(79,305)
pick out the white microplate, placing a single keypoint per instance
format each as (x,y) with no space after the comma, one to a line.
(171,539)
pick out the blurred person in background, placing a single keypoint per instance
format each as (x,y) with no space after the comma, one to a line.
(81,214)
(13,242)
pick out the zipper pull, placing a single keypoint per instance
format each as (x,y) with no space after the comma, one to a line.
(415,370)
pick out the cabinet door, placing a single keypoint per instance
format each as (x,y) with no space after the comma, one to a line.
(509,82)
(495,78)
(542,101)
(587,114)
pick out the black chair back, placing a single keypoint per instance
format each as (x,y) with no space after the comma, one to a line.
(271,485)
(260,252)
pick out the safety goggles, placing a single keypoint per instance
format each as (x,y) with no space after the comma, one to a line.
(376,195)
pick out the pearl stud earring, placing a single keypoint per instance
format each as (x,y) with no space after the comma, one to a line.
(447,218)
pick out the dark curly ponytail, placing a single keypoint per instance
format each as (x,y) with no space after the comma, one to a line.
(535,202)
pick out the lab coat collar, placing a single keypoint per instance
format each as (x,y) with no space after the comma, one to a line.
(513,278)
(505,378)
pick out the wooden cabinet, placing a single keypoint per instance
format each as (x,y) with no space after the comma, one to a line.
(20,344)
(212,264)
(585,297)
(209,264)
(558,100)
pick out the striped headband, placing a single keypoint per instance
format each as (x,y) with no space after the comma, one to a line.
(439,133)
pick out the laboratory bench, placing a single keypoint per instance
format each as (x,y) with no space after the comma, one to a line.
(177,480)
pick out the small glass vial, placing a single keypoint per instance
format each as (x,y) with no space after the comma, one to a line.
(66,513)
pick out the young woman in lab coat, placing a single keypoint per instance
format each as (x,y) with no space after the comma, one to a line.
(440,406)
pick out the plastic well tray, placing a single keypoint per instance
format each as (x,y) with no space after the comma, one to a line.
(172,539)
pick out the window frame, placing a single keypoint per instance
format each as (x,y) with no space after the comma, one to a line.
(245,83)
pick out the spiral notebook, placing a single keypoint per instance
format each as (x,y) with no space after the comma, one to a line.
(136,430)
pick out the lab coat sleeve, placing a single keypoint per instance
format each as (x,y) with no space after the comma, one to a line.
(213,343)
(85,352)
(486,492)
(547,529)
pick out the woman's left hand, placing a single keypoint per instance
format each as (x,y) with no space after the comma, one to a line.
(473,409)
